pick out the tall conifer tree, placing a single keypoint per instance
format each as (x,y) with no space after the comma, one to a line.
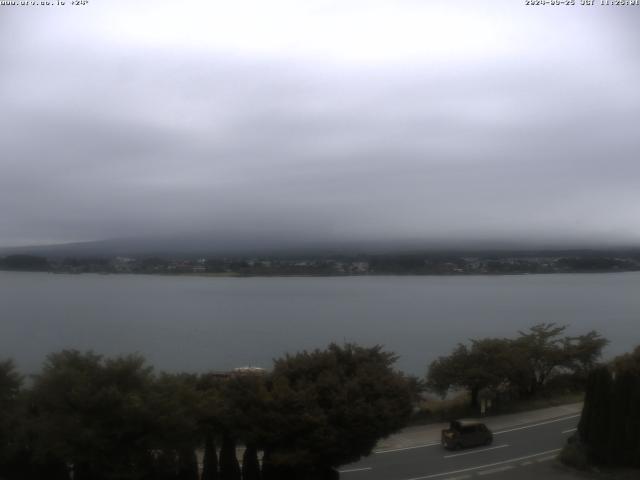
(229,466)
(250,464)
(210,460)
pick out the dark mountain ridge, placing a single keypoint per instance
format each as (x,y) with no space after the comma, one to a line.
(217,245)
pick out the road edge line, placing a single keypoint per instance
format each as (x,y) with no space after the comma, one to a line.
(484,466)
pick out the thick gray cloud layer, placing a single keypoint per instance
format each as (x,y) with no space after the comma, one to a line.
(347,120)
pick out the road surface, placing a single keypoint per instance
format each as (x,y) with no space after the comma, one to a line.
(516,452)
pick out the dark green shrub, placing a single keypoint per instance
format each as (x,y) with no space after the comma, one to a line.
(574,455)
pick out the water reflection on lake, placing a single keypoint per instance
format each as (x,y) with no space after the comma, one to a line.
(202,323)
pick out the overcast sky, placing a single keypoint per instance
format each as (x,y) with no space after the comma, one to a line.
(384,120)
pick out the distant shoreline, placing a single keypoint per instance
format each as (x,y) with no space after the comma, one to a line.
(335,266)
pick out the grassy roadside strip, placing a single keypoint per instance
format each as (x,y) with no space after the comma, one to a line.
(438,411)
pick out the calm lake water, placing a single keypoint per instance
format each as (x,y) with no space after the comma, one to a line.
(201,323)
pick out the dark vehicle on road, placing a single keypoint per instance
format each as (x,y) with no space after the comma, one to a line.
(466,433)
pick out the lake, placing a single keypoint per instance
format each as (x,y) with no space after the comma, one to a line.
(209,323)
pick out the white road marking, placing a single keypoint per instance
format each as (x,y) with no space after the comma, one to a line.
(528,462)
(351,470)
(570,430)
(496,470)
(546,459)
(485,466)
(475,451)
(536,424)
(391,450)
(407,448)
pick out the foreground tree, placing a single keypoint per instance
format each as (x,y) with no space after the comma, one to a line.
(10,453)
(250,464)
(210,459)
(187,464)
(609,428)
(542,348)
(594,424)
(330,407)
(487,364)
(210,421)
(628,363)
(229,466)
(94,414)
(523,365)
(175,401)
(88,417)
(583,352)
(244,399)
(166,465)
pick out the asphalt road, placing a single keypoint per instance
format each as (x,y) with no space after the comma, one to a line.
(516,452)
